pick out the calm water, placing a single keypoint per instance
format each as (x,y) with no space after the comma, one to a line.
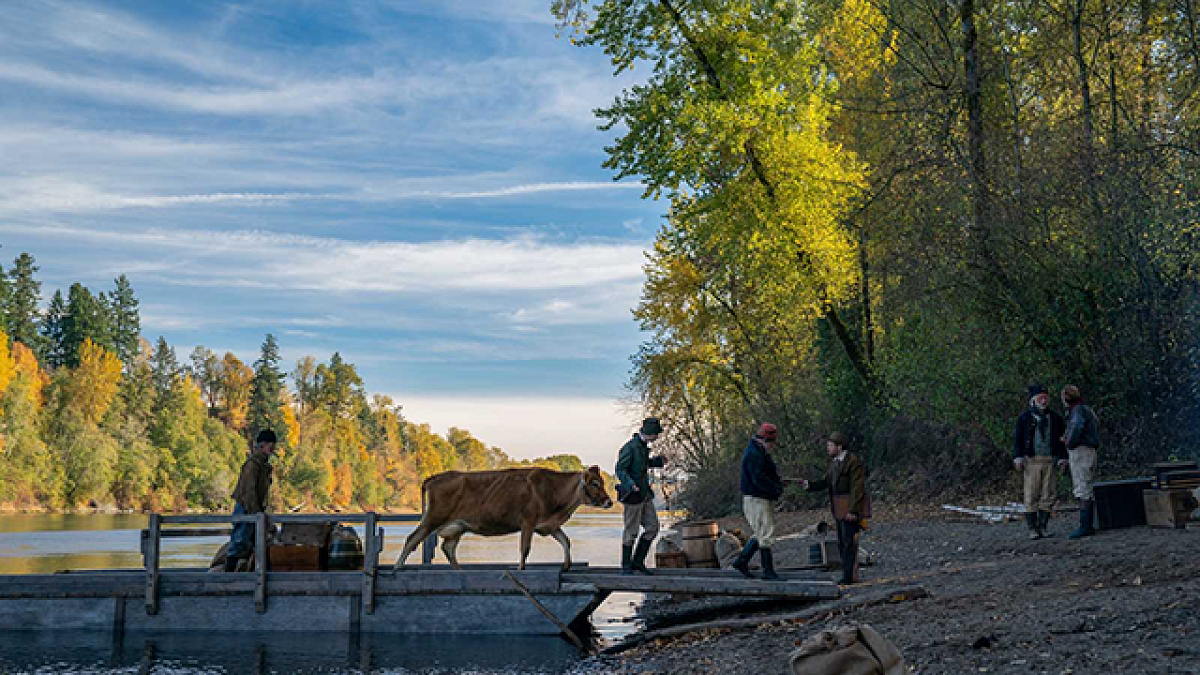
(40,544)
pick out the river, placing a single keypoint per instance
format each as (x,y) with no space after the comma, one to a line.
(42,544)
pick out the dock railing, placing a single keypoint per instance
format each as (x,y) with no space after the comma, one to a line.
(372,545)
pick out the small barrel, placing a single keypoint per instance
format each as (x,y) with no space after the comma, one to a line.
(699,543)
(345,550)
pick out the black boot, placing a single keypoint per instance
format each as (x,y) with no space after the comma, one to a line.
(742,564)
(638,562)
(1031,519)
(1086,513)
(768,562)
(1044,523)
(231,563)
(626,559)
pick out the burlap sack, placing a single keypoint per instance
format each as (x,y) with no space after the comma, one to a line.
(849,650)
(727,546)
(669,541)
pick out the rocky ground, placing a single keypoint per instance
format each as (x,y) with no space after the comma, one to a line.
(1124,601)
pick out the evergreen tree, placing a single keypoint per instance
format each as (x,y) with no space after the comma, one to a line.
(5,298)
(53,324)
(266,411)
(165,368)
(21,312)
(87,318)
(124,321)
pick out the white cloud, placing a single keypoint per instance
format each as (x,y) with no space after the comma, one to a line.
(527,427)
(59,195)
(269,260)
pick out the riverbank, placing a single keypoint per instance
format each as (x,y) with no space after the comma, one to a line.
(1122,601)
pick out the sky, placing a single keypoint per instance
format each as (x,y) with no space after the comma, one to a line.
(416,184)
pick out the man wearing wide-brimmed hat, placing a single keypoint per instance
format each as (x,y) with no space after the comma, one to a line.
(847,486)
(633,489)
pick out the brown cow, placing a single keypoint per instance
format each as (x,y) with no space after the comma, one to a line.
(492,503)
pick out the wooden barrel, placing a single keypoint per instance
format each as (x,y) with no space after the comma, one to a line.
(345,550)
(699,543)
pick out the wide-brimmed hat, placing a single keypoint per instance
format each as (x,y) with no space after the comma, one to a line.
(651,426)
(266,436)
(839,439)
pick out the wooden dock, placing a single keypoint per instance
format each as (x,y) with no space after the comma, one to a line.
(478,599)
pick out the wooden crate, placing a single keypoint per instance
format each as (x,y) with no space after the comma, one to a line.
(670,559)
(1168,508)
(295,558)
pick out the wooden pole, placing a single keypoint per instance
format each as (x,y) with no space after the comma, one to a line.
(547,613)
(260,563)
(370,562)
(151,558)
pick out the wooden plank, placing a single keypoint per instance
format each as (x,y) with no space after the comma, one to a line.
(707,586)
(547,613)
(708,573)
(152,544)
(260,563)
(168,532)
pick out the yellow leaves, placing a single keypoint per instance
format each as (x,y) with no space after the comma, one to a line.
(8,366)
(93,384)
(27,365)
(858,41)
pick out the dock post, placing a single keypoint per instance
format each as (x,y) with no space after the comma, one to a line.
(260,563)
(153,540)
(429,549)
(370,562)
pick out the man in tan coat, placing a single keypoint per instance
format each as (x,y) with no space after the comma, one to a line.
(250,496)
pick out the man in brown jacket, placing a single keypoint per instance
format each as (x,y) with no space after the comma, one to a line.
(250,496)
(847,485)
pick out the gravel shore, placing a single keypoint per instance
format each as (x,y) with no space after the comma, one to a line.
(1124,601)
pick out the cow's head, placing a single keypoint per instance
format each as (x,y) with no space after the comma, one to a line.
(594,493)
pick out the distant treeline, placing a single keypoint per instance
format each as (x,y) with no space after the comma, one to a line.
(890,218)
(93,415)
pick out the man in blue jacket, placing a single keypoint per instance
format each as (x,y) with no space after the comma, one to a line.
(761,488)
(1082,439)
(633,490)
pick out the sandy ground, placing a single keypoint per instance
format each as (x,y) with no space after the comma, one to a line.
(1124,601)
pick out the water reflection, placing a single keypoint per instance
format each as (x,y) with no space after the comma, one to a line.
(293,653)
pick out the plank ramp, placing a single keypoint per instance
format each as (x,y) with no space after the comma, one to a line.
(800,584)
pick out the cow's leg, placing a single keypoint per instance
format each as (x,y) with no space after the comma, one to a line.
(526,540)
(419,535)
(450,534)
(561,538)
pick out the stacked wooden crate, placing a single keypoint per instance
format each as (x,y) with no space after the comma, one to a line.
(1172,502)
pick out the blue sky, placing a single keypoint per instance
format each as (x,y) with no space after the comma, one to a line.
(416,184)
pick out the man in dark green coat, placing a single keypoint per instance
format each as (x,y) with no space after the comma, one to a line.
(633,489)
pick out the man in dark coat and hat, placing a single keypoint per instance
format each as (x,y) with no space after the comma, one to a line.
(1037,449)
(633,490)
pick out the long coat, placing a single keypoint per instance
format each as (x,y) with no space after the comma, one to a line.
(848,479)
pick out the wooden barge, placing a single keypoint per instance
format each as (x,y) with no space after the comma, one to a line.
(478,599)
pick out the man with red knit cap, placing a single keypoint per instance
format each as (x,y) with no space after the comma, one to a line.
(761,488)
